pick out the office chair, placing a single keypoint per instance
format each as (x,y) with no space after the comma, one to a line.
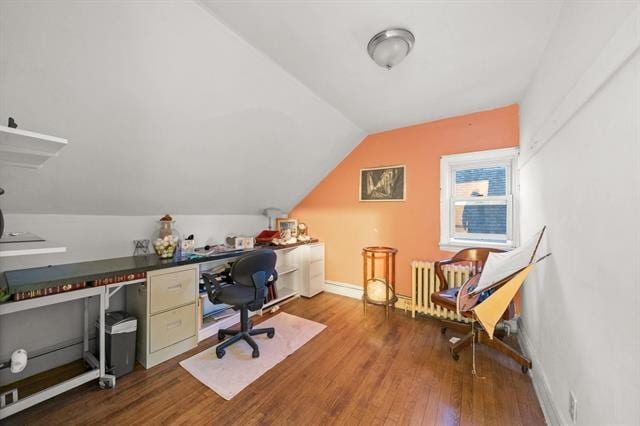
(250,274)
(447,299)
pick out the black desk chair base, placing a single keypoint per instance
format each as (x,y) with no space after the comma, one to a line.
(245,333)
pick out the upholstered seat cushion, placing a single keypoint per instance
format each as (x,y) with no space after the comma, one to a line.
(447,299)
(444,300)
(236,295)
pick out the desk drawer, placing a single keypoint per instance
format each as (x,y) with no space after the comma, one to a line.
(168,328)
(316,252)
(167,291)
(316,268)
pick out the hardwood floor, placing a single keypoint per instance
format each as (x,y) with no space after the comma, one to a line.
(357,371)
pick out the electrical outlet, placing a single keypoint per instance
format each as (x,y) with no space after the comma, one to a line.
(573,408)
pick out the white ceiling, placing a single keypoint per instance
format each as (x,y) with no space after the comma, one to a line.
(468,55)
(165,109)
(168,110)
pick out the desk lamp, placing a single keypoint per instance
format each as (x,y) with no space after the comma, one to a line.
(272,213)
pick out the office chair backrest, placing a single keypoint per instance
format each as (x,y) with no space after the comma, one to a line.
(248,268)
(254,270)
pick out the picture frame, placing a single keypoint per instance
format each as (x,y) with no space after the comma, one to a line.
(287,223)
(384,183)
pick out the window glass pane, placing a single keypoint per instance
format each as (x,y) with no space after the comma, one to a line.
(487,218)
(481,182)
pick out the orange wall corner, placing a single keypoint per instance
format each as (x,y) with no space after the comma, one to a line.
(334,215)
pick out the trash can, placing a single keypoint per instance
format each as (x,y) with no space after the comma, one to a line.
(119,342)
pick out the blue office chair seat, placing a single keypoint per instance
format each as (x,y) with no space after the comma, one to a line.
(235,295)
(250,274)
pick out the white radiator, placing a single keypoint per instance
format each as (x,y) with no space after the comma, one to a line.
(424,282)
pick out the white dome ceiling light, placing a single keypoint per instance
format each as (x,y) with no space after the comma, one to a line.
(389,47)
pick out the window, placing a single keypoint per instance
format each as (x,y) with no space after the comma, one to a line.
(478,195)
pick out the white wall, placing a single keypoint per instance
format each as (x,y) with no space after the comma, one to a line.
(89,238)
(165,109)
(581,322)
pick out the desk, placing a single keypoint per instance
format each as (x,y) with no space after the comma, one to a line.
(301,269)
(97,365)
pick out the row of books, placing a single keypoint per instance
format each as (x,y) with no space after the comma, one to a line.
(65,287)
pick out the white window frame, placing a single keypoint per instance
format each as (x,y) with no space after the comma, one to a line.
(449,164)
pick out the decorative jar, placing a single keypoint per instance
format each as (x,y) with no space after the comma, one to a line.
(166,239)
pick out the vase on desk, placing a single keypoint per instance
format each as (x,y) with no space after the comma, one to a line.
(166,239)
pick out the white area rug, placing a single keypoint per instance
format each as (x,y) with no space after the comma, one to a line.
(237,370)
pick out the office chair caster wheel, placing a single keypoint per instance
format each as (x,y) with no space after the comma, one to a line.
(270,334)
(455,356)
(255,354)
(524,369)
(220,353)
(221,336)
(443,330)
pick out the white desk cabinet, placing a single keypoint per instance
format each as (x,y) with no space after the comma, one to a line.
(166,308)
(312,269)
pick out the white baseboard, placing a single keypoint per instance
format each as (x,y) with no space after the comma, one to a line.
(539,379)
(343,289)
(355,292)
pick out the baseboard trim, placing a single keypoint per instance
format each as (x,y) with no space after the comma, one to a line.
(343,289)
(355,292)
(540,383)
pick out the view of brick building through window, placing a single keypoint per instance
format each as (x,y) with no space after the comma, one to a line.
(476,212)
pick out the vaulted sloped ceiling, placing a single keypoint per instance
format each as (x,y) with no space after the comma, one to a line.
(168,109)
(468,56)
(165,109)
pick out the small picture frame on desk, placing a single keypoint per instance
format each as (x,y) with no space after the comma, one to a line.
(283,224)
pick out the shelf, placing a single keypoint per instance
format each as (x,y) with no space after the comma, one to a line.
(22,249)
(210,326)
(283,294)
(285,269)
(27,149)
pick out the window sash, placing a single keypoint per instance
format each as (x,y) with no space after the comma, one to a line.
(471,237)
(506,158)
(454,168)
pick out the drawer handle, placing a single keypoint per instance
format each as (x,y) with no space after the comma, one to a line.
(174,287)
(174,324)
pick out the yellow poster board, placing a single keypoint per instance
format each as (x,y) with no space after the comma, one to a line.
(491,310)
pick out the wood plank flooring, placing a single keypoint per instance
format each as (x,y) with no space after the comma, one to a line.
(357,371)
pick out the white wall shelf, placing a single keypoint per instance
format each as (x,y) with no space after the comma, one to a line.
(31,248)
(23,148)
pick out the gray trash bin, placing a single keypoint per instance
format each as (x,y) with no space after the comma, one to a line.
(120,342)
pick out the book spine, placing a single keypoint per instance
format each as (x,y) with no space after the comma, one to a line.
(118,279)
(30,294)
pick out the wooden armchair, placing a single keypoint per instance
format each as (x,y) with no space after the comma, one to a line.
(476,258)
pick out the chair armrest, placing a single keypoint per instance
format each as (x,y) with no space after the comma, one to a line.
(437,266)
(211,293)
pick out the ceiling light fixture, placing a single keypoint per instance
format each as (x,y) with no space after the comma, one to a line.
(389,47)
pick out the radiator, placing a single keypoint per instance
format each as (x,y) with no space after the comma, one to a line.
(425,282)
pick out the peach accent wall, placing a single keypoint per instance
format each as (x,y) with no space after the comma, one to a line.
(334,214)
